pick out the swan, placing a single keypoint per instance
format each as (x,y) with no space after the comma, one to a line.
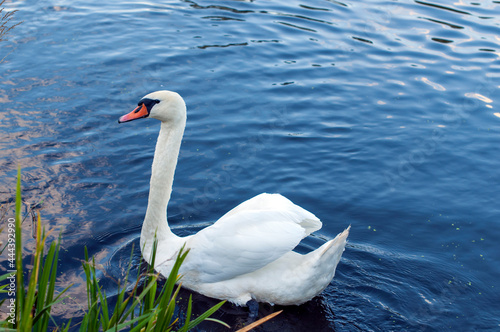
(246,256)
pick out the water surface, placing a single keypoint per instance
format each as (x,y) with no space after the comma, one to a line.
(382,115)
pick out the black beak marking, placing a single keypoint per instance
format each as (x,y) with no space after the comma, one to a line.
(149,103)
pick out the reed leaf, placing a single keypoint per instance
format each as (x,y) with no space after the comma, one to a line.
(20,294)
(205,315)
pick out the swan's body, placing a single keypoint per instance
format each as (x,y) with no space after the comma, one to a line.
(247,254)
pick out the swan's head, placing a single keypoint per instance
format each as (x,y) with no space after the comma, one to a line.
(166,106)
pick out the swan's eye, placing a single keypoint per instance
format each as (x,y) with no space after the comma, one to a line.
(149,103)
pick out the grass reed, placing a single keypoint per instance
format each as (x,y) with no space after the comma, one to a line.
(144,308)
(6,24)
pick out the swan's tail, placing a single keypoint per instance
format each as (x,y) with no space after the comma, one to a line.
(325,260)
(335,245)
(328,255)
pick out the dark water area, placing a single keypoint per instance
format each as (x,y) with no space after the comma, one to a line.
(382,115)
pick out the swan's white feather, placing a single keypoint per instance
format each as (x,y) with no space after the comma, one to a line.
(276,202)
(248,238)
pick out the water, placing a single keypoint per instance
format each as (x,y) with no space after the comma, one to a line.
(378,114)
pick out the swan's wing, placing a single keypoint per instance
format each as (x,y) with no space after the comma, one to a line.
(277,202)
(245,240)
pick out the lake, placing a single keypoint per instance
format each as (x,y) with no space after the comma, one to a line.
(382,115)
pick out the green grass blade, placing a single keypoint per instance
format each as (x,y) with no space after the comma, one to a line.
(105,310)
(140,297)
(142,321)
(172,278)
(118,327)
(45,296)
(218,322)
(165,316)
(188,315)
(205,315)
(153,255)
(149,300)
(45,273)
(20,293)
(5,276)
(65,328)
(84,324)
(117,311)
(26,314)
(41,312)
(53,274)
(92,316)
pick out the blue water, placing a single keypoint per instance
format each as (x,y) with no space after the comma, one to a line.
(382,115)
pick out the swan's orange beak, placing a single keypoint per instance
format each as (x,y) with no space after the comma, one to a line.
(139,112)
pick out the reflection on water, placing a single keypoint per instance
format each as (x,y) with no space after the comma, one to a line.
(379,115)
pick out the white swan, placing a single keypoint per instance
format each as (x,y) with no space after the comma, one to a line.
(247,254)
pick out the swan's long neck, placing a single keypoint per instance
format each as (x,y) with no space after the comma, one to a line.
(162,177)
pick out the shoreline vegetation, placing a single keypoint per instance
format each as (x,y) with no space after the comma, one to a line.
(30,293)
